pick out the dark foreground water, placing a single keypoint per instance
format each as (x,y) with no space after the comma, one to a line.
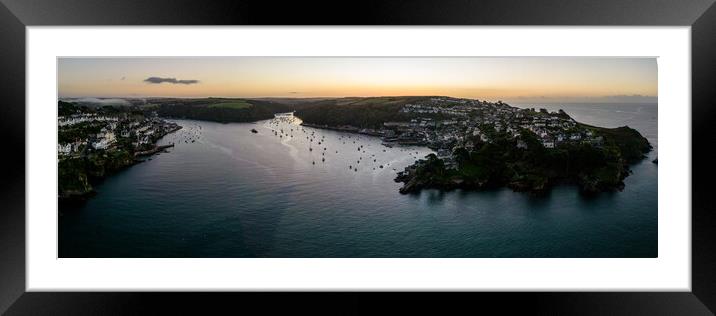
(233,193)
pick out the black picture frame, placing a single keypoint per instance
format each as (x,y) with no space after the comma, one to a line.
(15,15)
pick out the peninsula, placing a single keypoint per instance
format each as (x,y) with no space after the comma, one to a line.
(482,144)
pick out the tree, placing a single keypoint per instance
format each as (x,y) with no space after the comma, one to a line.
(461,155)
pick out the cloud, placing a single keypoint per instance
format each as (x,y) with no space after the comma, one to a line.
(158,80)
(293,92)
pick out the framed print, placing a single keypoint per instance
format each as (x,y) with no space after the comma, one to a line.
(541,153)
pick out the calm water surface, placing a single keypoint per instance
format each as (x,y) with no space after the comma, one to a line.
(233,193)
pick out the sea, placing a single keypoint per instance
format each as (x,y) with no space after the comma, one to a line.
(225,191)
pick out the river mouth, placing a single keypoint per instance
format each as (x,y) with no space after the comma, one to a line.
(234,193)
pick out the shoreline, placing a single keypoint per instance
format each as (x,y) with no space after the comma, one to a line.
(72,197)
(356,130)
(347,129)
(153,151)
(587,184)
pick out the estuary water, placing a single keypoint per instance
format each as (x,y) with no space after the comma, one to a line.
(224,191)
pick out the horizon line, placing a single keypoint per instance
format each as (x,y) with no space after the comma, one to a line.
(514,100)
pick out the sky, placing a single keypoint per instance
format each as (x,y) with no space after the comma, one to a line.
(510,79)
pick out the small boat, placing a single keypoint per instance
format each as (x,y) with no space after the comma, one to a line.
(253,130)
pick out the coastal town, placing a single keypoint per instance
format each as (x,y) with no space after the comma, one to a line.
(82,133)
(445,124)
(94,142)
(480,144)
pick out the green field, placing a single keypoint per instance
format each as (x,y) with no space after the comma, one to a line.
(238,104)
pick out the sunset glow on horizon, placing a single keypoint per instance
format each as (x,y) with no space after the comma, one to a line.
(530,79)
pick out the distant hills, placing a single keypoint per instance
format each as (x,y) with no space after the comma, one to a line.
(368,112)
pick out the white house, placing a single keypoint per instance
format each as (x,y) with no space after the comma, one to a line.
(104,140)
